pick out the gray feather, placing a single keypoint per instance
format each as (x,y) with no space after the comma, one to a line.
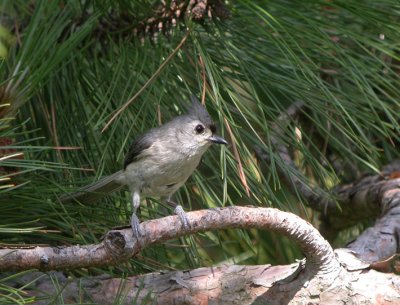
(95,191)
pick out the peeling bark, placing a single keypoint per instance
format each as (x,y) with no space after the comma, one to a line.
(234,284)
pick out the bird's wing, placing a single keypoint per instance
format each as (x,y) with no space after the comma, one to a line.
(138,147)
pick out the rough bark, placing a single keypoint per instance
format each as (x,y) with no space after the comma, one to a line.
(234,284)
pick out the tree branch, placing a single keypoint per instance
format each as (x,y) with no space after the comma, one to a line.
(119,245)
(162,18)
(233,284)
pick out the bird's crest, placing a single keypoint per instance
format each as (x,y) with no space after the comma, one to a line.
(198,111)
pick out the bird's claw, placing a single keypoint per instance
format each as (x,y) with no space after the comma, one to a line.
(182,216)
(135,225)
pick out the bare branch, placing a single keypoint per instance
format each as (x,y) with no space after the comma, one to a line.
(119,245)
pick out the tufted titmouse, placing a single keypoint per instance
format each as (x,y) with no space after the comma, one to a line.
(159,162)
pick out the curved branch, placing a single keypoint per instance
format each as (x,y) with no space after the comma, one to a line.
(119,245)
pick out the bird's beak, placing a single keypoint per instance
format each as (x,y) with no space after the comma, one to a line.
(217,140)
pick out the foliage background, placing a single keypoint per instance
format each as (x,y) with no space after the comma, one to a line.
(66,67)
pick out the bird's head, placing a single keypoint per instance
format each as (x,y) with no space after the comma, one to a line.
(197,130)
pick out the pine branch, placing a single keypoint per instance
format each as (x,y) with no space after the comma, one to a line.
(162,20)
(373,196)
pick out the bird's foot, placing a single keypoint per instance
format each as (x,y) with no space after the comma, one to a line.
(135,225)
(182,216)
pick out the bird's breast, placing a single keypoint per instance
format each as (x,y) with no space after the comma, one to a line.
(161,174)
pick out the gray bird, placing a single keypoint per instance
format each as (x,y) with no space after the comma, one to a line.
(159,162)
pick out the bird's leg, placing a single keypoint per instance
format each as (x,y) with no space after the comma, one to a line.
(181,213)
(135,224)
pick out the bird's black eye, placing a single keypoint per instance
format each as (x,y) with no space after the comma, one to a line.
(199,129)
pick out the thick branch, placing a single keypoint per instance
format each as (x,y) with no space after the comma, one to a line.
(234,285)
(382,240)
(119,245)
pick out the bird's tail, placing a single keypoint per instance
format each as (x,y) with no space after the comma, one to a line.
(95,191)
